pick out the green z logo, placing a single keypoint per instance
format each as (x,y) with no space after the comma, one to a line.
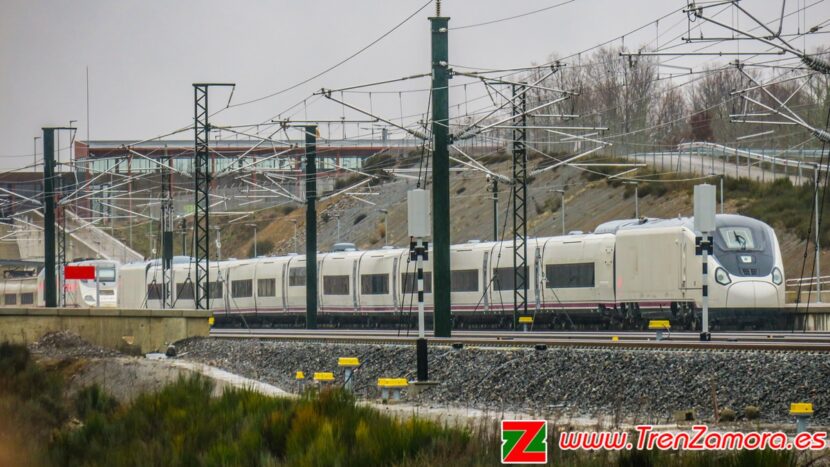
(524,442)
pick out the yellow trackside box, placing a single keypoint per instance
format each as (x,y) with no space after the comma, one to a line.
(299,375)
(801,408)
(659,324)
(525,319)
(324,377)
(211,321)
(392,382)
(348,361)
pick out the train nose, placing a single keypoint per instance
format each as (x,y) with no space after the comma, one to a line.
(751,294)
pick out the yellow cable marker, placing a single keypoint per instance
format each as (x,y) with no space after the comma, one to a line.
(525,319)
(348,361)
(615,338)
(393,382)
(801,408)
(299,375)
(659,324)
(324,377)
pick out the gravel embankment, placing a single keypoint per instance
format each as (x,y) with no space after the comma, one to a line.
(638,385)
(66,344)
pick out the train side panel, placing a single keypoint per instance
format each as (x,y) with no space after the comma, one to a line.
(269,288)
(338,282)
(655,267)
(376,285)
(578,272)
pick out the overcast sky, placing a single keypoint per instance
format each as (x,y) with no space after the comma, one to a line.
(143,56)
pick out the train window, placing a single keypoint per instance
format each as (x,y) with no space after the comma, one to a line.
(216,289)
(106,274)
(503,279)
(242,289)
(184,291)
(153,291)
(563,276)
(27,298)
(410,282)
(464,280)
(296,277)
(374,284)
(266,287)
(335,285)
(737,238)
(10,299)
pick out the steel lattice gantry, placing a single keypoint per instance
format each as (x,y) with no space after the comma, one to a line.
(519,203)
(202,177)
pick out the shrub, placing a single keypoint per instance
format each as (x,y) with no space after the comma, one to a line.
(93,399)
(752,412)
(341,183)
(287,209)
(727,415)
(184,425)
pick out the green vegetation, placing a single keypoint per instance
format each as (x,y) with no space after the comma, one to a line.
(184,425)
(30,406)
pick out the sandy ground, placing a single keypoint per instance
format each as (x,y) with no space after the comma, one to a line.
(127,377)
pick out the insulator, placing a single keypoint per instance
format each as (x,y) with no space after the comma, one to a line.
(822,135)
(816,64)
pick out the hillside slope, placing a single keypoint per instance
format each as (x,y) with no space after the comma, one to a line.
(587,204)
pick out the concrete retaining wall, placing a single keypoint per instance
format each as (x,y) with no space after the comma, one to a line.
(149,330)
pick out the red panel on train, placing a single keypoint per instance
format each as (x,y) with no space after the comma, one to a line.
(79,272)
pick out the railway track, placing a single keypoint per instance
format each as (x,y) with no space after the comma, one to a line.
(809,341)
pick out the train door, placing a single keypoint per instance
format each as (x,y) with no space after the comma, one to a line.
(355,282)
(683,266)
(394,284)
(537,278)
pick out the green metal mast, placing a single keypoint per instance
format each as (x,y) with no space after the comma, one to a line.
(311,226)
(442,315)
(50,286)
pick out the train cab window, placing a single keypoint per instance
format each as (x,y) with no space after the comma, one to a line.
(266,287)
(27,298)
(737,238)
(153,291)
(503,279)
(184,291)
(464,280)
(374,284)
(335,285)
(564,276)
(410,282)
(10,299)
(242,288)
(296,277)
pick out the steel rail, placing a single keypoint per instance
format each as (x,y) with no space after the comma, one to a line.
(817,342)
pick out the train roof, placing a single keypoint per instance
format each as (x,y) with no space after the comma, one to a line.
(688,222)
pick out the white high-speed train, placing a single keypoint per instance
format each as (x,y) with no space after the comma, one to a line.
(28,291)
(623,272)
